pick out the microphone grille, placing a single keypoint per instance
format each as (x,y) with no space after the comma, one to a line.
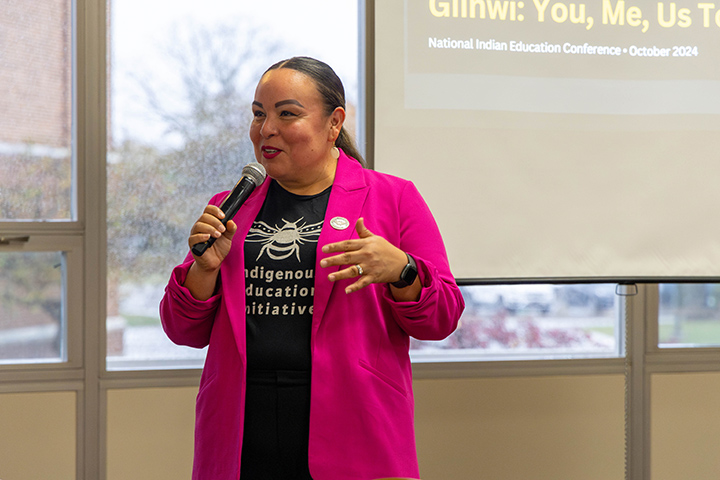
(255,172)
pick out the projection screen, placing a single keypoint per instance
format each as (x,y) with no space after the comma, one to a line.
(557,141)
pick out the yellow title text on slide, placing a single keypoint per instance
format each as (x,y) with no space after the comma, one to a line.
(613,13)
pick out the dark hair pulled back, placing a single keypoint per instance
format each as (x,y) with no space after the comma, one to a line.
(331,90)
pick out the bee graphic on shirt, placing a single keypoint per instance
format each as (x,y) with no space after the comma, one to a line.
(281,242)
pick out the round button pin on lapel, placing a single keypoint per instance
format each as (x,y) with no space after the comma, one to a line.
(339,223)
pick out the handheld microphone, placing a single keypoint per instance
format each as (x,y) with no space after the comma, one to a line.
(253,175)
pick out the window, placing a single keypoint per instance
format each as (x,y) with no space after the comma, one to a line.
(523,322)
(180,85)
(33,304)
(36,123)
(689,315)
(37,183)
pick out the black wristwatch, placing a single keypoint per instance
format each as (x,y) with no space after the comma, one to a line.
(408,275)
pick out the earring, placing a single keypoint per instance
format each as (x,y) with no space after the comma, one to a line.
(335,152)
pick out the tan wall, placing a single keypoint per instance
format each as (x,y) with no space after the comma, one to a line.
(507,428)
(685,426)
(38,436)
(554,428)
(150,433)
(535,428)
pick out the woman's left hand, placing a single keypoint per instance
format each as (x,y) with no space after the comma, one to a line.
(371,259)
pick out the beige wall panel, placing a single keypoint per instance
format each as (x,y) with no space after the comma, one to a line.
(539,428)
(685,426)
(38,438)
(150,433)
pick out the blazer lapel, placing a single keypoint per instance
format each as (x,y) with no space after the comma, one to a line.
(234,277)
(347,199)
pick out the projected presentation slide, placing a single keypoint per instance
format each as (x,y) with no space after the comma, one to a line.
(599,57)
(554,139)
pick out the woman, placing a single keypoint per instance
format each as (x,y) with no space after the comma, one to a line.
(307,300)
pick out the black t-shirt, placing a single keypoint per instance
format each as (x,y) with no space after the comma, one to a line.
(280,254)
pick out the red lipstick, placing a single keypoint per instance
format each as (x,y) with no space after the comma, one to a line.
(270,152)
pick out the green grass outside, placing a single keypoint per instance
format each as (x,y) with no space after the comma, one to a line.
(695,332)
(141,321)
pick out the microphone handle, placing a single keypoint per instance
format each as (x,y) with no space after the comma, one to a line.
(230,207)
(199,248)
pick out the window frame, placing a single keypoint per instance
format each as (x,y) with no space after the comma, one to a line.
(71,248)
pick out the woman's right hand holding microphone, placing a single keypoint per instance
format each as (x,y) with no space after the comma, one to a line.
(202,277)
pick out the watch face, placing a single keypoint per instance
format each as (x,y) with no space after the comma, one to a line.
(408,275)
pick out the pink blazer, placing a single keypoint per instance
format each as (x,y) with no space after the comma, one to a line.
(361,414)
